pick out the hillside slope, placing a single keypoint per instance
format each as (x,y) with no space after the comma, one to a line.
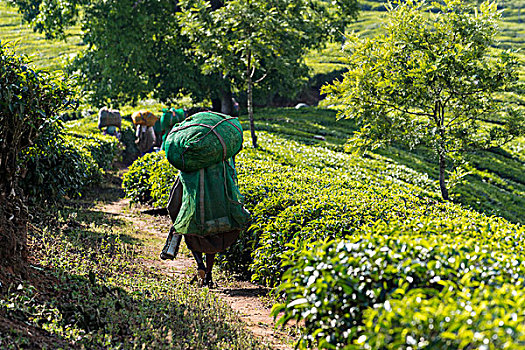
(50,54)
(496,185)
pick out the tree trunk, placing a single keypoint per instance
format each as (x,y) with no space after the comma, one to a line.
(226,101)
(216,104)
(222,102)
(442,183)
(250,100)
(13,233)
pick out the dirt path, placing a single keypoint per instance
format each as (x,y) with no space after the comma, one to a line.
(245,298)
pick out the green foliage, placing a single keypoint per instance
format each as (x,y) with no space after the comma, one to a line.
(331,285)
(127,65)
(163,176)
(158,61)
(103,148)
(66,164)
(45,17)
(474,318)
(310,202)
(120,65)
(48,54)
(149,180)
(88,127)
(137,181)
(260,40)
(430,80)
(30,101)
(93,292)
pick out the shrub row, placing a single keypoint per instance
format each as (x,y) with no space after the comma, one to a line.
(149,180)
(384,234)
(295,190)
(66,164)
(89,126)
(470,318)
(489,188)
(336,287)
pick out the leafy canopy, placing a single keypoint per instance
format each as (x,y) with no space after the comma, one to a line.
(140,48)
(432,79)
(269,38)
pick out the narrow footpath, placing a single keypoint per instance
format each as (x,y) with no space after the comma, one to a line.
(245,298)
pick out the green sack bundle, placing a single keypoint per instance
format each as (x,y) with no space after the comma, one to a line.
(202,140)
(170,117)
(211,202)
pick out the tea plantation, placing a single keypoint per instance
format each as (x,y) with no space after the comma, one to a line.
(348,240)
(359,249)
(50,54)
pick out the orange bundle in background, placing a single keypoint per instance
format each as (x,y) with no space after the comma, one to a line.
(144,117)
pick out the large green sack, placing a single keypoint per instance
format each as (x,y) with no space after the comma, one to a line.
(211,202)
(202,140)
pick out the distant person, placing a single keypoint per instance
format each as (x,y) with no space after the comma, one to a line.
(145,134)
(145,139)
(109,122)
(168,119)
(235,108)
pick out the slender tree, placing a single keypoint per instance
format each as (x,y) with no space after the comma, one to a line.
(432,79)
(247,41)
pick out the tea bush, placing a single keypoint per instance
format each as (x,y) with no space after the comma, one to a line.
(342,235)
(163,176)
(89,126)
(330,286)
(479,317)
(495,185)
(136,182)
(295,190)
(150,179)
(66,164)
(103,148)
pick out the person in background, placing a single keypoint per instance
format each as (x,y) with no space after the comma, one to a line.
(158,136)
(145,139)
(235,108)
(169,118)
(144,121)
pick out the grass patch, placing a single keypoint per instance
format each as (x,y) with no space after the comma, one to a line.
(49,54)
(89,287)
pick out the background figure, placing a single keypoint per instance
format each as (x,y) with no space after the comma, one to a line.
(235,108)
(169,117)
(145,138)
(145,133)
(109,121)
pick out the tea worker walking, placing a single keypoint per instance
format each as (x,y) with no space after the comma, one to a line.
(205,205)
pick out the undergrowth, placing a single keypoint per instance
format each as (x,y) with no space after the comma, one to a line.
(88,287)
